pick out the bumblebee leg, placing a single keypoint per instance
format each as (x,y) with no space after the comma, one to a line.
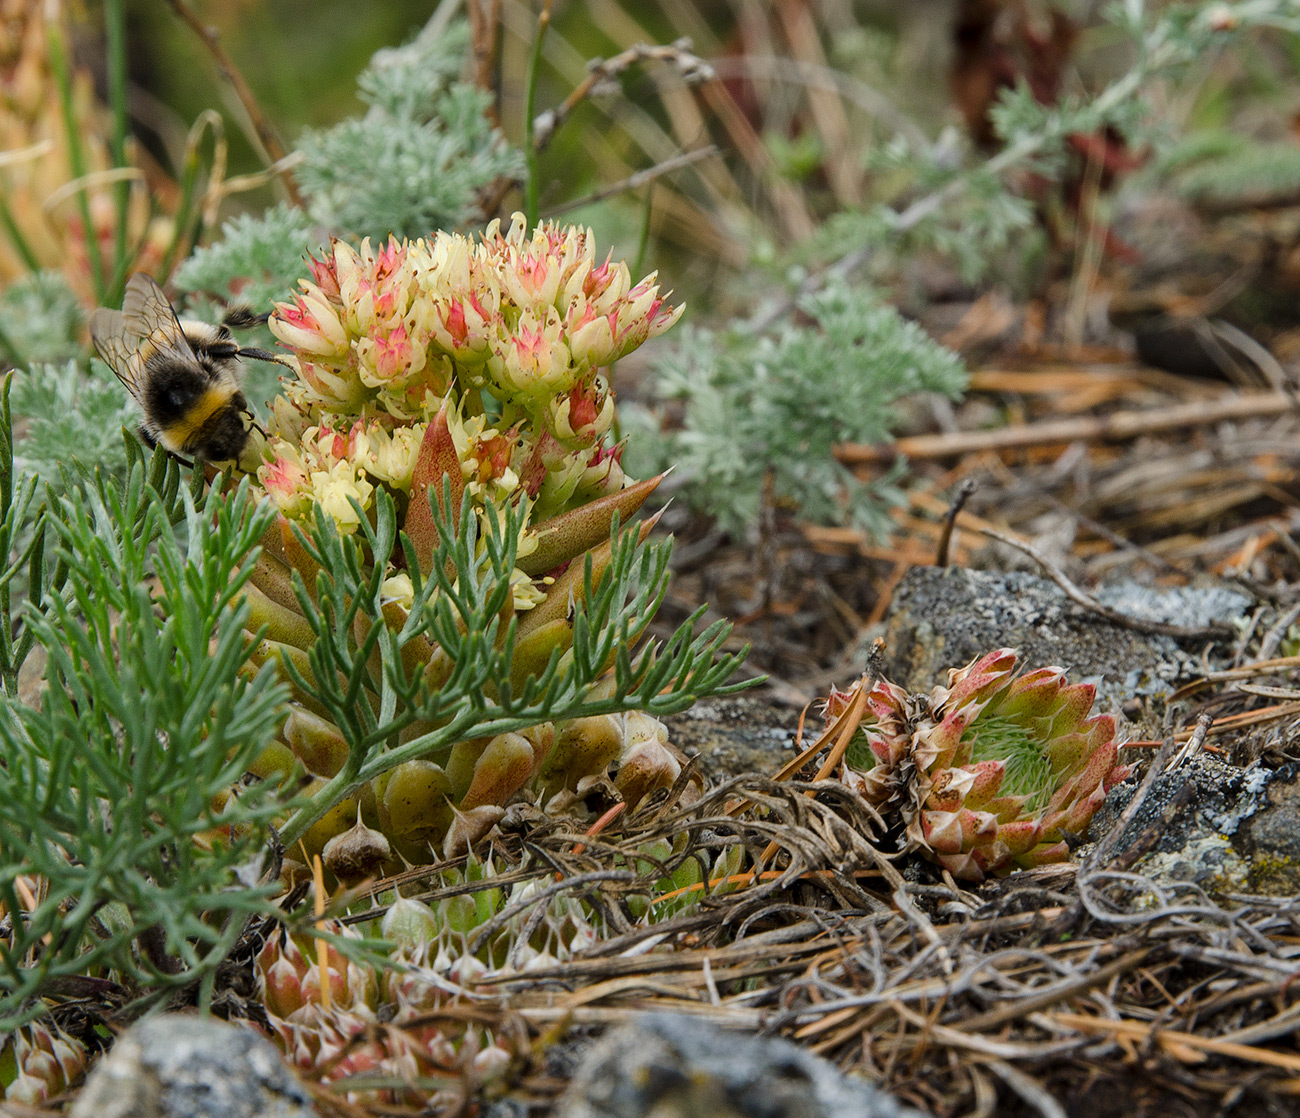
(252,422)
(240,317)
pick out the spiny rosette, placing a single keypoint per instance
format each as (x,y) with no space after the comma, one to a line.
(341,1035)
(39,1061)
(989,773)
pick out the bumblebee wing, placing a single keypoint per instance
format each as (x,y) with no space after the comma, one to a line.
(118,347)
(145,329)
(146,308)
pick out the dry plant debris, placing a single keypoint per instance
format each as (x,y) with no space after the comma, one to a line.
(1105,467)
(1060,983)
(1076,988)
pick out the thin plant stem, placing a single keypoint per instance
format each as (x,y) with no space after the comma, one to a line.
(76,153)
(208,120)
(18,238)
(643,243)
(115,45)
(530,108)
(265,133)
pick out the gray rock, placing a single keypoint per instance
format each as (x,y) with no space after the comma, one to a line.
(734,734)
(945,617)
(1270,836)
(671,1066)
(1226,829)
(183,1066)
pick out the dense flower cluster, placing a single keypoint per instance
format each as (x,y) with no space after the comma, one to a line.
(989,773)
(508,337)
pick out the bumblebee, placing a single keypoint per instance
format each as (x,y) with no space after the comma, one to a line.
(183,374)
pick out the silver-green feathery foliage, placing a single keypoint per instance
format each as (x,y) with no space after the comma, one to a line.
(145,723)
(267,254)
(414,162)
(459,608)
(71,416)
(781,403)
(418,157)
(71,421)
(40,319)
(24,576)
(971,211)
(1224,169)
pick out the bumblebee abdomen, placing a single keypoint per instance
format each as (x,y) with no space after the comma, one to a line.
(225,435)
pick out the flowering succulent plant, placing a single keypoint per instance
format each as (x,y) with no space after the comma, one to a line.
(989,773)
(438,380)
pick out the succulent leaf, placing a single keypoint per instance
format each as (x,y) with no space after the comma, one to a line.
(568,535)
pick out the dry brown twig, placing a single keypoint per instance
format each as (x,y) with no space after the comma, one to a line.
(964,494)
(1117,427)
(262,127)
(485,31)
(638,179)
(601,73)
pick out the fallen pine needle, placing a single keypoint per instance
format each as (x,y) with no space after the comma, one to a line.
(1183,1046)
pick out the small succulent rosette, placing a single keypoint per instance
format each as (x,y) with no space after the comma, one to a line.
(324,1011)
(38,1062)
(987,774)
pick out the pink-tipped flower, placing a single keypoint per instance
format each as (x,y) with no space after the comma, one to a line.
(286,483)
(536,268)
(603,474)
(531,364)
(310,325)
(458,325)
(583,414)
(388,355)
